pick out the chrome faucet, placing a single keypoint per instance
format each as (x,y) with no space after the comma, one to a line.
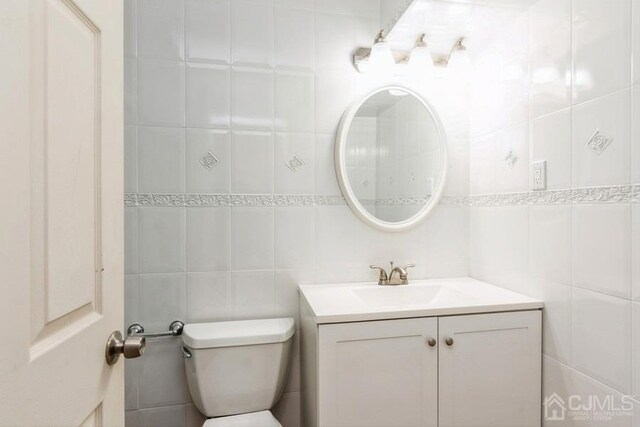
(397,276)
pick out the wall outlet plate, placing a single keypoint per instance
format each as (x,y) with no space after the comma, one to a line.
(539,175)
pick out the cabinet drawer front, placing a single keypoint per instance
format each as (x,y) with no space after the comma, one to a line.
(490,373)
(381,373)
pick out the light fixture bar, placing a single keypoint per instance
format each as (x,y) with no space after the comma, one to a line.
(401,57)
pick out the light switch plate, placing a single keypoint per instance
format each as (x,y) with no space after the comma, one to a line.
(539,175)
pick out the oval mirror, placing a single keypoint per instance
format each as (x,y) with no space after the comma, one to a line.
(391,158)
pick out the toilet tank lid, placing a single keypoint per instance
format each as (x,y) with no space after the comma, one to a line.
(237,333)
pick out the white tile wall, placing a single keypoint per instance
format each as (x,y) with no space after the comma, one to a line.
(581,253)
(601,248)
(220,96)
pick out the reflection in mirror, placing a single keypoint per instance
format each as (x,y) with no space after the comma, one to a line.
(394,155)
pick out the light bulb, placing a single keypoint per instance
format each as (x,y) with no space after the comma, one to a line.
(420,61)
(459,66)
(381,60)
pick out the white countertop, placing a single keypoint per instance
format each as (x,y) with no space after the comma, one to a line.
(354,302)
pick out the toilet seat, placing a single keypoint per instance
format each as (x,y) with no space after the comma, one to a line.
(252,419)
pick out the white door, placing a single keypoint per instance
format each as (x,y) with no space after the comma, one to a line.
(61,290)
(378,374)
(490,370)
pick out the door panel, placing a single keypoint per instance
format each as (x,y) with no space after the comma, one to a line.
(61,247)
(378,374)
(491,374)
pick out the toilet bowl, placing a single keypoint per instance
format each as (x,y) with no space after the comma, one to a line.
(237,370)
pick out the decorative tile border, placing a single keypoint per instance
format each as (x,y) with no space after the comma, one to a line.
(613,194)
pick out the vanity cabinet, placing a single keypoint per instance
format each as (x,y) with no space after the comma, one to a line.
(451,371)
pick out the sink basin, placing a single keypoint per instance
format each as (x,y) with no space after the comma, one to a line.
(407,296)
(353,302)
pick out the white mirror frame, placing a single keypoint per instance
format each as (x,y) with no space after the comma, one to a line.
(341,168)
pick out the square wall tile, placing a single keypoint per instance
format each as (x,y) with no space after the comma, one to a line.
(601,141)
(326,181)
(571,385)
(130,91)
(294,38)
(252,99)
(295,237)
(333,53)
(635,40)
(635,251)
(556,319)
(601,34)
(130,159)
(333,95)
(166,416)
(162,239)
(208,96)
(482,171)
(550,243)
(160,160)
(294,102)
(635,133)
(602,338)
(287,410)
(444,240)
(208,32)
(601,248)
(549,78)
(131,300)
(131,240)
(162,300)
(163,378)
(287,297)
(208,238)
(131,383)
(252,236)
(252,33)
(208,161)
(512,159)
(208,296)
(253,294)
(549,56)
(161,93)
(295,163)
(550,140)
(129,23)
(161,29)
(194,417)
(635,351)
(252,162)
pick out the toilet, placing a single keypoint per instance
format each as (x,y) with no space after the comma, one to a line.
(237,370)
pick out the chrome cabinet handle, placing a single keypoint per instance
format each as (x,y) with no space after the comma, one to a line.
(448,341)
(131,347)
(431,342)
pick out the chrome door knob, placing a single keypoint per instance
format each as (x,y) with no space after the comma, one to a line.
(431,342)
(131,347)
(448,341)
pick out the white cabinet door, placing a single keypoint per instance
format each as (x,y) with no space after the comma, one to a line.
(61,222)
(381,373)
(490,374)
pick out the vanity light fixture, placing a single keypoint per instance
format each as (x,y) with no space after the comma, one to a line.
(380,59)
(420,60)
(459,61)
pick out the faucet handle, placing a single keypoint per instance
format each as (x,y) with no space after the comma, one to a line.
(404,277)
(383,279)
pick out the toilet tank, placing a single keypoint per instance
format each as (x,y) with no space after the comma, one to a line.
(239,366)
